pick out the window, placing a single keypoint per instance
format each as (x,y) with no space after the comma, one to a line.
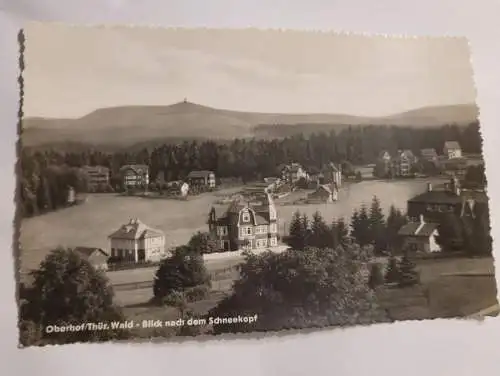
(273,242)
(245,231)
(273,227)
(246,217)
(222,230)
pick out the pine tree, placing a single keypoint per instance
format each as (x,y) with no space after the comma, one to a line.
(408,274)
(377,226)
(320,234)
(343,233)
(392,272)
(360,224)
(395,220)
(298,232)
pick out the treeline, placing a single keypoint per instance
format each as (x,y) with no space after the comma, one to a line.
(249,158)
(368,226)
(246,159)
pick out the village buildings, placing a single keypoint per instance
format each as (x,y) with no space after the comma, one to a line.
(325,193)
(201,178)
(245,225)
(97,176)
(452,150)
(135,176)
(402,164)
(136,242)
(292,173)
(331,174)
(97,257)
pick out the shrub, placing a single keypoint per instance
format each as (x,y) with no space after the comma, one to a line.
(376,278)
(392,273)
(185,269)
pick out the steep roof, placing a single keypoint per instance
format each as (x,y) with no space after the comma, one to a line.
(330,167)
(451,145)
(200,174)
(137,168)
(86,252)
(418,229)
(134,230)
(436,197)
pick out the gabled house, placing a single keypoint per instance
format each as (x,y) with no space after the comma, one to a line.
(331,174)
(420,237)
(403,162)
(136,242)
(452,150)
(326,193)
(245,225)
(97,257)
(201,178)
(135,176)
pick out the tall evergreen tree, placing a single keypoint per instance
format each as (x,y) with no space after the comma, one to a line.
(320,234)
(343,233)
(360,224)
(378,232)
(297,238)
(395,220)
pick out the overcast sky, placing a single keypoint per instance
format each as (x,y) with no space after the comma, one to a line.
(71,71)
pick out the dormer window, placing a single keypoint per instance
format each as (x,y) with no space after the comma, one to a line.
(246,217)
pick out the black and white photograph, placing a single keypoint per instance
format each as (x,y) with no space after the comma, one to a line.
(197,182)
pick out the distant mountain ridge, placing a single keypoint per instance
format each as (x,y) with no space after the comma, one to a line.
(129,125)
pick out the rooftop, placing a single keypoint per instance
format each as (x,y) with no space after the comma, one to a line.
(134,230)
(452,145)
(418,229)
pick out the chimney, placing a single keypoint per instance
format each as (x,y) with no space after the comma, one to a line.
(429,187)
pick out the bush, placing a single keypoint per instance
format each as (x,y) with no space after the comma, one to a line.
(376,278)
(197,293)
(392,273)
(184,270)
(299,289)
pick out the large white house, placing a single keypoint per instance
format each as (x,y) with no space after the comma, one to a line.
(136,242)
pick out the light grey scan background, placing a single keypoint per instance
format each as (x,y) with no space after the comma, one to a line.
(440,347)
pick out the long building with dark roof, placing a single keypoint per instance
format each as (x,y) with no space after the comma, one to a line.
(435,204)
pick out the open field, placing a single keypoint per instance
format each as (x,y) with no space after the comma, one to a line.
(90,224)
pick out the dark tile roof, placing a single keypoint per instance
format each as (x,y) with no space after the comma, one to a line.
(418,229)
(437,197)
(199,174)
(452,145)
(137,168)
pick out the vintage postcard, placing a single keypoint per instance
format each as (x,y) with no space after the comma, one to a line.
(194,182)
